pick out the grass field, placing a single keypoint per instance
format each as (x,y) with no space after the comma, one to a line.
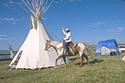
(108,69)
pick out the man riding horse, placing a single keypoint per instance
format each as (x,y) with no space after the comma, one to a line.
(67,47)
(67,41)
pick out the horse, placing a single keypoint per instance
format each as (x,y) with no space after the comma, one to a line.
(74,48)
(58,47)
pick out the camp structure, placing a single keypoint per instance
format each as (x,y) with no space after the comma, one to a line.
(32,53)
(122,48)
(7,54)
(107,47)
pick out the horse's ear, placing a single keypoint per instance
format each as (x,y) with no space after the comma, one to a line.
(48,40)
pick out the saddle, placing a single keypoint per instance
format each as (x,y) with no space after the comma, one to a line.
(72,49)
(76,47)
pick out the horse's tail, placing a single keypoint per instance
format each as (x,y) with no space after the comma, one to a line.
(89,50)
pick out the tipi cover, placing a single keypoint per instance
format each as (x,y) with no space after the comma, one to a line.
(32,53)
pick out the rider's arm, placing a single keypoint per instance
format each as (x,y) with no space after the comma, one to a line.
(63,30)
(68,36)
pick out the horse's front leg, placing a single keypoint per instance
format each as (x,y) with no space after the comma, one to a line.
(58,59)
(64,58)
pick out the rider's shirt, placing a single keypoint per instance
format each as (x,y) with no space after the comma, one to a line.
(68,37)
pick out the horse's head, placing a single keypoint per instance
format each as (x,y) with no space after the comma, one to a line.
(48,44)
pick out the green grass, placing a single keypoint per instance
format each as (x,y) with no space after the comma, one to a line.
(110,69)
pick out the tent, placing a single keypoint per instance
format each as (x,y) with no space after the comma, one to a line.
(107,47)
(32,54)
(4,54)
(7,54)
(12,52)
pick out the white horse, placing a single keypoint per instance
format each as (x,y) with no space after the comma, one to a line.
(75,48)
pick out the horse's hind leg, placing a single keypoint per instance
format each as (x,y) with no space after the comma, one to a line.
(86,57)
(81,60)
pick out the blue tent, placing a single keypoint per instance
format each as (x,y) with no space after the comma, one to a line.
(110,44)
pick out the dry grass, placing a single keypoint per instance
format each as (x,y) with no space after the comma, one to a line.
(106,69)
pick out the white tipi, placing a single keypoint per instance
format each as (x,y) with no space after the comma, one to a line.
(32,54)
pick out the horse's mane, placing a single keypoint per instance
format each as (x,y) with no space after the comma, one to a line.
(57,44)
(54,42)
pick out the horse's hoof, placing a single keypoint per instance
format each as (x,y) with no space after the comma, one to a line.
(81,65)
(55,67)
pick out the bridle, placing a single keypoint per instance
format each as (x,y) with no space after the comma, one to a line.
(48,45)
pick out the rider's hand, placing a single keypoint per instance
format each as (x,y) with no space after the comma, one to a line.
(62,28)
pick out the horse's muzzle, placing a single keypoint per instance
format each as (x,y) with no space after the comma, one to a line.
(46,49)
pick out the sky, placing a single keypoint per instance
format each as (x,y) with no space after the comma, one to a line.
(89,20)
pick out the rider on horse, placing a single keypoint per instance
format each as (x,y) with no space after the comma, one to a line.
(67,40)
